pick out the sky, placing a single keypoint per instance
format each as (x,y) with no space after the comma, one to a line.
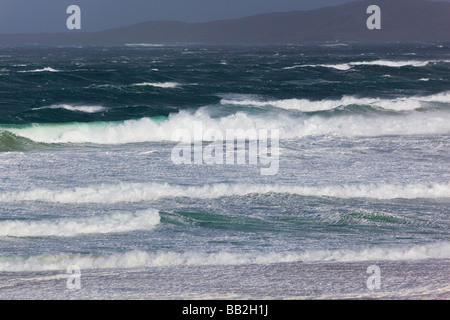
(17,16)
(30,16)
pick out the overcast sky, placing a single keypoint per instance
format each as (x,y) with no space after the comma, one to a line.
(50,15)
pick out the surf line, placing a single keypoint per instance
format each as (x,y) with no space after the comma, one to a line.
(235,147)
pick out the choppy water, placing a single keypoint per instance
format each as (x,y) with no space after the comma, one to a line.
(87,176)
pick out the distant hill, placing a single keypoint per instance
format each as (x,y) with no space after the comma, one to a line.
(401,20)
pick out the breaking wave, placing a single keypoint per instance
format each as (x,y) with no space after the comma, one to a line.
(304,105)
(150,45)
(158,84)
(46,69)
(290,127)
(379,63)
(69,227)
(143,259)
(136,192)
(76,108)
(10,142)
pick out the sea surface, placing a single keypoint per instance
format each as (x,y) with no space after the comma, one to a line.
(95,205)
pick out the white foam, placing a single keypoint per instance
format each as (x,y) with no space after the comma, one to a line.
(342,66)
(144,45)
(77,108)
(419,252)
(381,63)
(289,127)
(46,69)
(335,45)
(394,64)
(143,259)
(158,84)
(288,104)
(398,104)
(136,192)
(68,227)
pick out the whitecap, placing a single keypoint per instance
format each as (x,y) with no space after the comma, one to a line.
(158,84)
(69,227)
(305,105)
(46,69)
(137,192)
(77,108)
(144,259)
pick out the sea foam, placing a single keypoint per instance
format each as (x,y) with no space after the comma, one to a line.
(379,63)
(46,69)
(158,84)
(305,105)
(136,192)
(289,127)
(143,259)
(75,108)
(68,227)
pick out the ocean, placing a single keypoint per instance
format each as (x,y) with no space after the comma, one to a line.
(117,180)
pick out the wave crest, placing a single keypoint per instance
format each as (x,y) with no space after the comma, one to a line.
(143,259)
(305,105)
(135,192)
(158,84)
(76,108)
(46,69)
(290,127)
(111,223)
(379,63)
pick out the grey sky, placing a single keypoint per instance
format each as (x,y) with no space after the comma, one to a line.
(50,15)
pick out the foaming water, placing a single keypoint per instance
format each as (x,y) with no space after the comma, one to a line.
(379,63)
(305,105)
(158,84)
(134,192)
(77,108)
(69,227)
(87,177)
(143,259)
(151,130)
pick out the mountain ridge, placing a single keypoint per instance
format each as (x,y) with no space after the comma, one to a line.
(401,20)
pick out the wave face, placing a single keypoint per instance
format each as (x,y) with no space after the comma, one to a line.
(112,223)
(144,192)
(10,142)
